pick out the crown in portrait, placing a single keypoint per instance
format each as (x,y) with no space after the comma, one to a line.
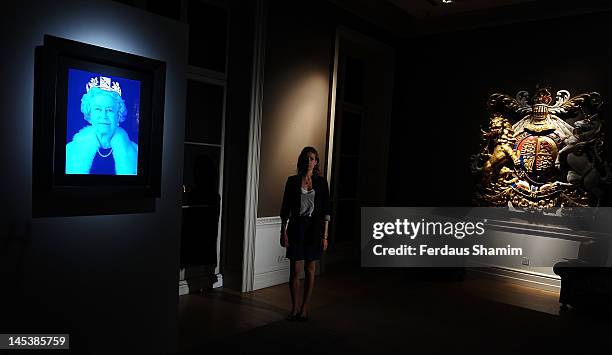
(104,83)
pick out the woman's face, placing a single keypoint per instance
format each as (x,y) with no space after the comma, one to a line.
(104,116)
(312,160)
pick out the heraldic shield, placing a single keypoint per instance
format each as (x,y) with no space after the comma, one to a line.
(540,154)
(537,155)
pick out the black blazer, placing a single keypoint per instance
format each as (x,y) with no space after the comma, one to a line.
(293,194)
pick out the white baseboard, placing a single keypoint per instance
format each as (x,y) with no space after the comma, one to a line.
(183,288)
(523,278)
(219,282)
(270,266)
(271,278)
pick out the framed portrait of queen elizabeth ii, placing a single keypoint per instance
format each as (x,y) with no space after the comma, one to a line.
(98,121)
(101,124)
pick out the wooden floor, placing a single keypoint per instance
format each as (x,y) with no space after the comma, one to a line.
(222,312)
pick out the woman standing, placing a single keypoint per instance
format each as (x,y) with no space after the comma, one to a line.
(305,215)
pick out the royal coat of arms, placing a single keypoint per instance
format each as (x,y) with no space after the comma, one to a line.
(537,153)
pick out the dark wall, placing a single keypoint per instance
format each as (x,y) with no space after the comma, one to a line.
(299,63)
(444,81)
(111,281)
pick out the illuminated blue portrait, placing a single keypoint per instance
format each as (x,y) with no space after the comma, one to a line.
(101,124)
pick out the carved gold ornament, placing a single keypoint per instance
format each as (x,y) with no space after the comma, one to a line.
(537,153)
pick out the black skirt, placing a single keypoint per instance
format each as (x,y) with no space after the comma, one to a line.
(304,242)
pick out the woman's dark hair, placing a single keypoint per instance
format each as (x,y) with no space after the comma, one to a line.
(302,162)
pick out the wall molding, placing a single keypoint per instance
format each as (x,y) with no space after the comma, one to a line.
(252,187)
(524,278)
(270,265)
(272,278)
(183,288)
(262,221)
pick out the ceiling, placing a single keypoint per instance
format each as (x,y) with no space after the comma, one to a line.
(432,8)
(409,18)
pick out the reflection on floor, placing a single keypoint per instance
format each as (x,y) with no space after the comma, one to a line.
(391,310)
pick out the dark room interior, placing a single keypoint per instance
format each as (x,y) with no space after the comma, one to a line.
(472,114)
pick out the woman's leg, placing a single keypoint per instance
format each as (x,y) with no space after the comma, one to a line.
(294,284)
(309,278)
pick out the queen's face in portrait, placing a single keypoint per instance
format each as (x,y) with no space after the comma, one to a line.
(104,115)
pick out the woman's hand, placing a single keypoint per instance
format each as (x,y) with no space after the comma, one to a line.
(324,243)
(125,153)
(284,239)
(81,151)
(120,140)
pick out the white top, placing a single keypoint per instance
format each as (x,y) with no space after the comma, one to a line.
(307,202)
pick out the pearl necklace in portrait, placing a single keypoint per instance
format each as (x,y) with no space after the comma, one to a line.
(104,156)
